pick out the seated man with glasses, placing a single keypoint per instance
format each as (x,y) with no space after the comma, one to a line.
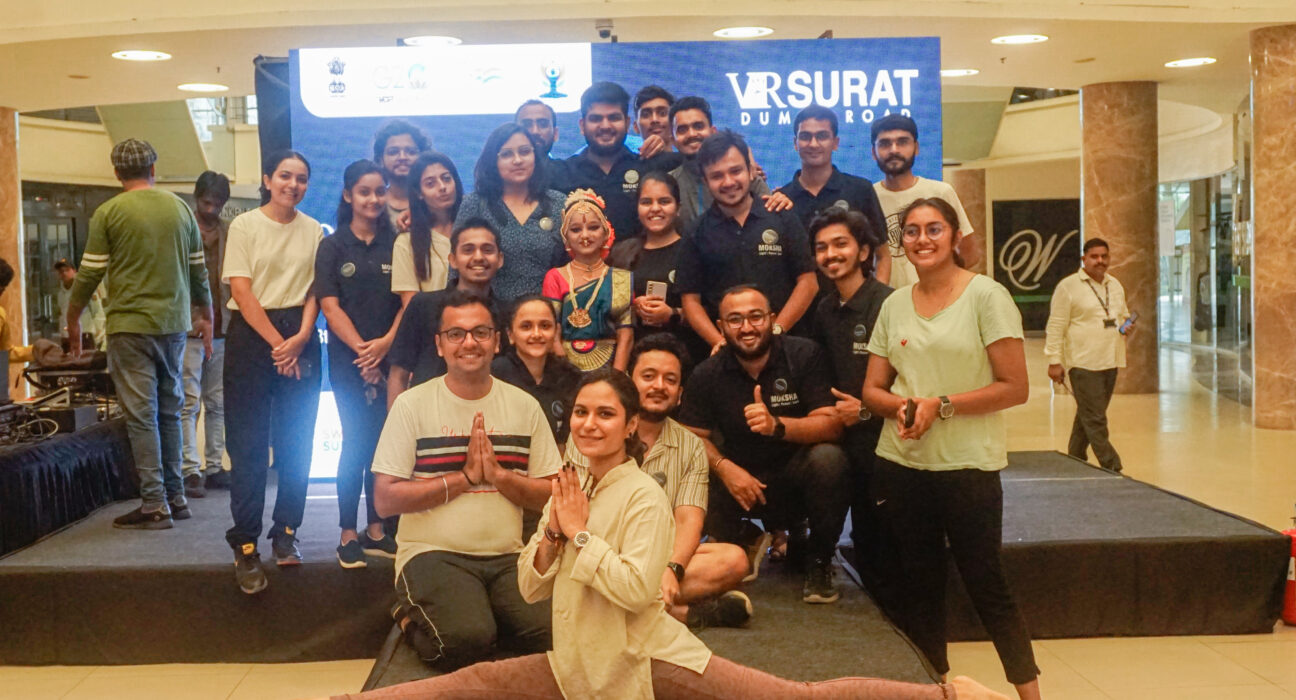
(459,458)
(764,408)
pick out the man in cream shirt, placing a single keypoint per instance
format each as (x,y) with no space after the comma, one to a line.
(1086,343)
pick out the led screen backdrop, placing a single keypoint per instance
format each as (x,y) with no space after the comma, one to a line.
(457,95)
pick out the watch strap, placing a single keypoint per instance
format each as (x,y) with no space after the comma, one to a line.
(677,569)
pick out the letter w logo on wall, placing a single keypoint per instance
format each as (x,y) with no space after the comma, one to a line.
(1026,256)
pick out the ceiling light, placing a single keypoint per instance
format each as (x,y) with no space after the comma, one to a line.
(1019,39)
(958,72)
(203,87)
(136,55)
(742,32)
(1190,62)
(432,40)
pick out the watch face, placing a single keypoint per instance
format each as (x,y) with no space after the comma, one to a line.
(582,538)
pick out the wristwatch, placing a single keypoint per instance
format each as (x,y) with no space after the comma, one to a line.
(778,330)
(780,429)
(677,569)
(555,537)
(864,413)
(581,539)
(946,408)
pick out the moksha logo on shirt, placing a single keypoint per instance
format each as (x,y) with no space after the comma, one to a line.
(767,97)
(769,244)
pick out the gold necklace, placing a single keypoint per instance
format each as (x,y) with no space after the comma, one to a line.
(588,269)
(580,316)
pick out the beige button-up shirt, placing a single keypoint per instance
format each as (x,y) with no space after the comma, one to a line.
(1076,335)
(608,621)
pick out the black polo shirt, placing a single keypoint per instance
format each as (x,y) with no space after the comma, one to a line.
(358,274)
(618,186)
(769,250)
(845,329)
(555,392)
(414,349)
(842,189)
(793,383)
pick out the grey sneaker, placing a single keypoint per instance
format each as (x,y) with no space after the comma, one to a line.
(247,569)
(819,586)
(284,546)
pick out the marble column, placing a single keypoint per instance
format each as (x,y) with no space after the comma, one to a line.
(11,232)
(1118,198)
(970,186)
(1273,288)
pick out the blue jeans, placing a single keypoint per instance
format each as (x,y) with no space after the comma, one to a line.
(146,371)
(203,390)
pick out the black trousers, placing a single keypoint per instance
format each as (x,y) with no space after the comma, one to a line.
(461,608)
(362,421)
(815,482)
(875,557)
(1093,392)
(921,510)
(264,408)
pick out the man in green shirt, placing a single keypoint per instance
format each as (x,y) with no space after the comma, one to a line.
(146,242)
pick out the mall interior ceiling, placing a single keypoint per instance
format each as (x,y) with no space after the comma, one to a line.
(56,53)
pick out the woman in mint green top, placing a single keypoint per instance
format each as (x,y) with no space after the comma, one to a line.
(951,342)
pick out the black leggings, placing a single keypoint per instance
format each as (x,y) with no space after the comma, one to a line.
(362,421)
(920,510)
(263,407)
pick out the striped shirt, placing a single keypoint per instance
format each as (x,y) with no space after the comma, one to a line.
(677,462)
(426,437)
(146,244)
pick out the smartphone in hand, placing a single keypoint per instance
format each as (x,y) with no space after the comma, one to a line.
(911,409)
(1128,322)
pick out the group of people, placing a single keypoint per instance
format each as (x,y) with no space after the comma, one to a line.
(677,368)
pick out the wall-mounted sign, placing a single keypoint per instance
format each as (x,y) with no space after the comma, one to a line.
(1036,244)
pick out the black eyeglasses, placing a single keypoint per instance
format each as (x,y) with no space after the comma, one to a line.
(480,334)
(755,318)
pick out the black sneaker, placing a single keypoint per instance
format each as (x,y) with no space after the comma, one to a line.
(247,569)
(180,511)
(284,545)
(195,486)
(731,609)
(819,586)
(351,555)
(219,479)
(139,520)
(382,547)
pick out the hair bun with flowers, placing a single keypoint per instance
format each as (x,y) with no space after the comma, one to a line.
(586,200)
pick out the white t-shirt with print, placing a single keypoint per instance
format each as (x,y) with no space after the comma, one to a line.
(426,435)
(893,203)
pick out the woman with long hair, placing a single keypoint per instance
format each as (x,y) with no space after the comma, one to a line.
(946,360)
(592,299)
(603,542)
(510,194)
(529,362)
(353,271)
(419,257)
(272,363)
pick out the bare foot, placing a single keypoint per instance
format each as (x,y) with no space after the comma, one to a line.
(967,689)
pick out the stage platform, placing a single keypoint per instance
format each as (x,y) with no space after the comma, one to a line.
(1088,553)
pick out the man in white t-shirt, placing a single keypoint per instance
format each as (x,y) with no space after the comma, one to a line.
(1085,341)
(459,458)
(895,146)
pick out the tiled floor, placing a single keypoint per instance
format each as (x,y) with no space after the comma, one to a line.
(1184,439)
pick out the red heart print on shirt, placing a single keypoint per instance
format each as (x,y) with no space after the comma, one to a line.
(904,342)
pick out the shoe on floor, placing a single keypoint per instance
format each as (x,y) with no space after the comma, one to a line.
(139,520)
(247,569)
(819,586)
(195,486)
(351,555)
(180,511)
(382,547)
(219,479)
(731,609)
(284,546)
(755,554)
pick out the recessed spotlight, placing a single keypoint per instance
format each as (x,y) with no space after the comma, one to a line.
(1019,39)
(1190,62)
(958,72)
(137,55)
(742,32)
(432,40)
(203,87)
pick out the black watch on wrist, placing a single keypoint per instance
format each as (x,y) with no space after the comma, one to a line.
(677,569)
(780,429)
